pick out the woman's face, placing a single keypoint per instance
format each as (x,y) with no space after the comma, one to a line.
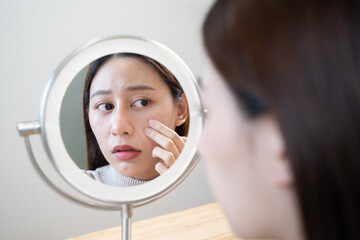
(240,155)
(124,95)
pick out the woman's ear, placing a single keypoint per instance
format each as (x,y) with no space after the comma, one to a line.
(272,143)
(182,110)
(282,175)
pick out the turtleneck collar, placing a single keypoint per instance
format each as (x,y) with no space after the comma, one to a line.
(108,175)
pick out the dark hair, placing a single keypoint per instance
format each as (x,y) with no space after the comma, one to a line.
(95,158)
(300,61)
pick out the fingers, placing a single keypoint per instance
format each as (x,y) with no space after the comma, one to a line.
(166,156)
(163,141)
(168,132)
(160,168)
(171,145)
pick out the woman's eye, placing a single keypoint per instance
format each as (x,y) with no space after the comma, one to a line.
(105,107)
(141,103)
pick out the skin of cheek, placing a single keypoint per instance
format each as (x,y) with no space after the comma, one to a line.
(101,133)
(237,155)
(235,179)
(225,153)
(164,118)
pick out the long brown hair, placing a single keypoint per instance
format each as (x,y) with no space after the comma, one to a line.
(300,61)
(95,158)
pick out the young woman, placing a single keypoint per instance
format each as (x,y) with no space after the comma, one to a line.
(282,134)
(136,119)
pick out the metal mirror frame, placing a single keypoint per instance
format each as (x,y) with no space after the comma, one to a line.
(49,124)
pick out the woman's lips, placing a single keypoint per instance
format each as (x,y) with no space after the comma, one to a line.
(125,152)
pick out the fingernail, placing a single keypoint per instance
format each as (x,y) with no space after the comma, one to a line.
(152,122)
(148,130)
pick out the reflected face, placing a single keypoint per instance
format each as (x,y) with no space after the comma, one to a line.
(124,95)
(238,152)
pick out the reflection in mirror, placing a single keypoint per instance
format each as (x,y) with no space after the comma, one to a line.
(134,116)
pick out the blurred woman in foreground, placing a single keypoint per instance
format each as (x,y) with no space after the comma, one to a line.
(282,134)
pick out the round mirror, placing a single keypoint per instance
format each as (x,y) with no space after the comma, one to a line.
(122,109)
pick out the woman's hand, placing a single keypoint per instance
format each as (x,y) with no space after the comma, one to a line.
(171,144)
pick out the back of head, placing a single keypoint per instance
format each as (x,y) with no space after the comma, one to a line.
(300,61)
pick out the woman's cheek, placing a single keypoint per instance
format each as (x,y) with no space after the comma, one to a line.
(94,117)
(99,123)
(163,117)
(93,121)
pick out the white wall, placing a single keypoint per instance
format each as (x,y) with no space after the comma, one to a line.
(35,36)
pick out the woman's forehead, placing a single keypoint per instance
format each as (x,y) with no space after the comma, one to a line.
(121,72)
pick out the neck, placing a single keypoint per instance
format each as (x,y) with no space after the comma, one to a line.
(293,232)
(293,226)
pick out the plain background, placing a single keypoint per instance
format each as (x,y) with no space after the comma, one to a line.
(35,36)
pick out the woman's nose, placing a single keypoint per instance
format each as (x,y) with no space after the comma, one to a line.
(122,124)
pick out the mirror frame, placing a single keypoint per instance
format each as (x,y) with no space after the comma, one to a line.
(51,132)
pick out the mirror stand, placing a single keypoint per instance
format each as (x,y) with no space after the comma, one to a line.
(96,195)
(126,215)
(25,129)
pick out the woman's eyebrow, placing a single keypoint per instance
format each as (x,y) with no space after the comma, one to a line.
(101,92)
(139,87)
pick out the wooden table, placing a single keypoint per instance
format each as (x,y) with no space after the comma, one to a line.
(200,223)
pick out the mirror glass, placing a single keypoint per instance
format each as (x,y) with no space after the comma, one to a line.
(110,137)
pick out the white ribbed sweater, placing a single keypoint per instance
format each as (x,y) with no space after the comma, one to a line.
(108,175)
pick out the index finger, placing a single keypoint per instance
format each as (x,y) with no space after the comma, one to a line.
(168,132)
